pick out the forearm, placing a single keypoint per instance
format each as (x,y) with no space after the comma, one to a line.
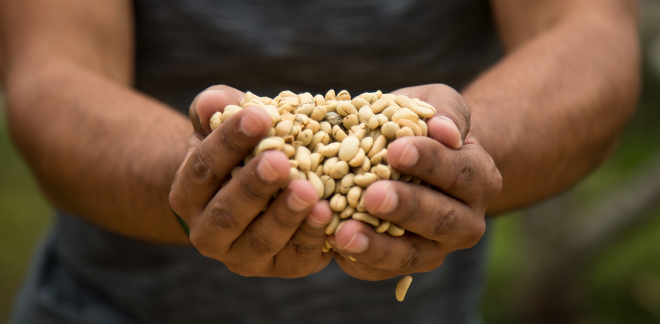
(98,149)
(553,109)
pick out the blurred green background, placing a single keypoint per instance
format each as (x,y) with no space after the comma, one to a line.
(24,216)
(621,283)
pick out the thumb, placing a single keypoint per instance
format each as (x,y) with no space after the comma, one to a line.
(210,101)
(444,129)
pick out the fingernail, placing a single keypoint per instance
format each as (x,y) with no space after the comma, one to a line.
(390,202)
(409,156)
(296,204)
(201,96)
(197,106)
(251,125)
(199,116)
(450,123)
(316,217)
(313,222)
(266,171)
(358,243)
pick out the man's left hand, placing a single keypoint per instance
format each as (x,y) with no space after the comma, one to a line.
(447,217)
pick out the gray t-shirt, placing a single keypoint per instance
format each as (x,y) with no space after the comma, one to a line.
(85,274)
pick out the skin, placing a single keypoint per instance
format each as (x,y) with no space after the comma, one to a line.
(227,223)
(529,127)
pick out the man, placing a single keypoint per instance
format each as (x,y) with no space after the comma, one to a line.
(542,116)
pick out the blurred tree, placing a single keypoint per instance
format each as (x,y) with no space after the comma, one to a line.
(562,237)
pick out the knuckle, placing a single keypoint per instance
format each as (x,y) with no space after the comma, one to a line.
(200,169)
(176,203)
(464,172)
(201,244)
(446,223)
(221,217)
(475,234)
(235,147)
(260,244)
(286,221)
(432,166)
(495,184)
(413,209)
(302,249)
(242,270)
(411,261)
(250,190)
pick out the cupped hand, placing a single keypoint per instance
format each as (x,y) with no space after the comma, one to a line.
(445,215)
(226,221)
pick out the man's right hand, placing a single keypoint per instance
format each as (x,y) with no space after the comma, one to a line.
(227,223)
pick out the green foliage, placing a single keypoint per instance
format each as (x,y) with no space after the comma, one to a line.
(24,214)
(624,285)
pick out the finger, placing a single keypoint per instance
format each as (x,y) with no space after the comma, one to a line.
(468,174)
(361,271)
(426,212)
(356,269)
(320,216)
(269,233)
(234,207)
(303,253)
(210,101)
(209,164)
(443,129)
(406,254)
(451,122)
